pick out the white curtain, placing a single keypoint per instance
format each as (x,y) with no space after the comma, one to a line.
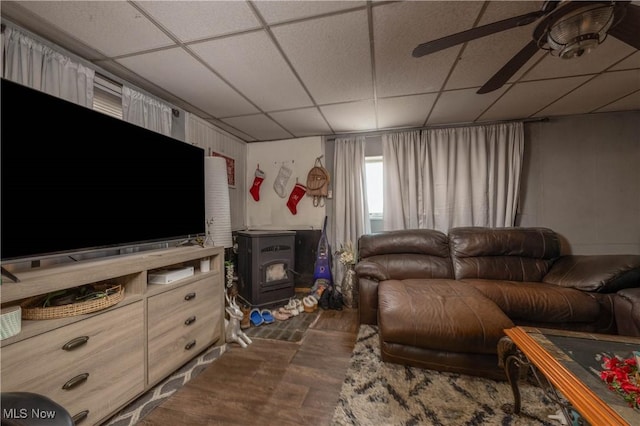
(350,212)
(466,176)
(145,111)
(28,62)
(403,158)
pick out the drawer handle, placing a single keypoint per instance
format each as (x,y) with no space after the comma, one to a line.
(79,379)
(82,415)
(190,296)
(75,343)
(190,345)
(190,320)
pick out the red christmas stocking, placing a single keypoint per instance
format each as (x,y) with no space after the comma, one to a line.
(297,193)
(257,181)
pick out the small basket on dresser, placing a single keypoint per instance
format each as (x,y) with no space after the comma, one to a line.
(32,308)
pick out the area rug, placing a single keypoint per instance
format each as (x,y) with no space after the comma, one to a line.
(379,393)
(291,330)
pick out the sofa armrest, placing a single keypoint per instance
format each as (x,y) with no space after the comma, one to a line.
(369,275)
(596,273)
(367,301)
(371,270)
(627,311)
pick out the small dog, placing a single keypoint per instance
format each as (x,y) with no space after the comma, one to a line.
(233,332)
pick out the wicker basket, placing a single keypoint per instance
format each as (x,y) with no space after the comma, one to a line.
(32,308)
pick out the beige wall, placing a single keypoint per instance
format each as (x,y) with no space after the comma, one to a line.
(271,211)
(581,178)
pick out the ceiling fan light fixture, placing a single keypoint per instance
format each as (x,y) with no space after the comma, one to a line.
(581,31)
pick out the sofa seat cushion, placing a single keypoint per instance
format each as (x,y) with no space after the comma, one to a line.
(539,302)
(439,314)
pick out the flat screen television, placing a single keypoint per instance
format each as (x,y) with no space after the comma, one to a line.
(76,180)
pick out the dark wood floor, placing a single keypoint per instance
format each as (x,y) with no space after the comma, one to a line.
(269,382)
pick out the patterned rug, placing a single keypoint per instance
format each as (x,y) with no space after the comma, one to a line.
(379,393)
(142,406)
(291,330)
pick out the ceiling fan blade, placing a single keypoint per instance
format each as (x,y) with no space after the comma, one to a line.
(510,68)
(628,30)
(475,33)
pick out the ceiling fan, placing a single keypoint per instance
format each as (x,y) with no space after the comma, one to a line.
(567,29)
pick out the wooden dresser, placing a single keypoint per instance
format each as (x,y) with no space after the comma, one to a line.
(94,364)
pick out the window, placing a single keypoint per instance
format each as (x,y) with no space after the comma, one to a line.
(107,97)
(374,184)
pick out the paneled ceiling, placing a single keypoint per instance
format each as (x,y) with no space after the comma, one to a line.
(268,70)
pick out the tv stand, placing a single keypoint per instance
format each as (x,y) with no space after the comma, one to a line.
(9,275)
(95,364)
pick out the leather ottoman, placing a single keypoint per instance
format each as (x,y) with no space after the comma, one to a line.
(440,324)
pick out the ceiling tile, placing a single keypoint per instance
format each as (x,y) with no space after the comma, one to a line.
(537,93)
(112,27)
(630,62)
(196,83)
(400,27)
(320,53)
(598,92)
(302,122)
(404,111)
(224,126)
(331,55)
(605,55)
(195,20)
(351,117)
(260,72)
(281,11)
(628,103)
(462,106)
(259,126)
(483,57)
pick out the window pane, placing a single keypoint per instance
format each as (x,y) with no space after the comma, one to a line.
(107,97)
(374,185)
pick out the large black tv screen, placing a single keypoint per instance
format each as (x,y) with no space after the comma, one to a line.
(75,179)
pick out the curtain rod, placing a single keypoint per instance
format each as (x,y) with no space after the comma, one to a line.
(438,126)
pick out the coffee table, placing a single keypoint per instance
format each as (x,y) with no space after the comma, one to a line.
(569,371)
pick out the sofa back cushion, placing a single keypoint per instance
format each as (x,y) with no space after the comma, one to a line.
(515,254)
(604,273)
(410,253)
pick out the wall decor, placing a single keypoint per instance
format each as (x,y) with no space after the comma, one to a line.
(231,168)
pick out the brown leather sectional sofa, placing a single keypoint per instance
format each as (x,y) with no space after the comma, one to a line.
(443,301)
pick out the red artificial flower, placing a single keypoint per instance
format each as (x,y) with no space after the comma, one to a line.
(621,377)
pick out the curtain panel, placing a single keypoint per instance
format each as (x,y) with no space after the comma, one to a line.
(350,213)
(36,65)
(453,177)
(145,111)
(403,158)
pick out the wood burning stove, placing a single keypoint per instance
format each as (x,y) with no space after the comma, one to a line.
(265,266)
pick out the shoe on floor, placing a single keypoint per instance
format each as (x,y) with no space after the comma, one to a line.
(292,307)
(246,321)
(266,316)
(256,317)
(281,314)
(310,304)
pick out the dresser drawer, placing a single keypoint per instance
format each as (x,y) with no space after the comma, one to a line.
(181,323)
(101,368)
